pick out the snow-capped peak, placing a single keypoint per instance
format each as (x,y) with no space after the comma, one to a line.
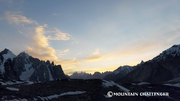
(24,54)
(125,68)
(173,51)
(6,54)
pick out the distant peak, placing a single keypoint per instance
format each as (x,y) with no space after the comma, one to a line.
(5,51)
(23,54)
(142,62)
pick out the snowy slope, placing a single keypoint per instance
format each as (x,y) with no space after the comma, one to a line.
(111,84)
(50,75)
(23,59)
(28,72)
(173,51)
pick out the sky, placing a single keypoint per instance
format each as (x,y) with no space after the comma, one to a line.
(90,35)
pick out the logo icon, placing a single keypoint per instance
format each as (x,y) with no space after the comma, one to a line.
(110,94)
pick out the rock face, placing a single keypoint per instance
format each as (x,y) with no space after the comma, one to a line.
(164,67)
(25,67)
(120,72)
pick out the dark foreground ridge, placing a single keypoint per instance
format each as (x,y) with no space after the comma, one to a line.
(81,90)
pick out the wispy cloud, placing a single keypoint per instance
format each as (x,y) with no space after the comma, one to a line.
(58,35)
(16,18)
(67,50)
(55,14)
(94,56)
(62,53)
(96,52)
(69,61)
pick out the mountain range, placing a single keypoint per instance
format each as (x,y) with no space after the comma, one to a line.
(25,67)
(120,72)
(162,68)
(84,75)
(160,74)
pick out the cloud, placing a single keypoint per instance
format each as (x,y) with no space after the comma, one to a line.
(67,50)
(62,53)
(69,61)
(42,54)
(40,47)
(75,42)
(21,32)
(55,14)
(40,36)
(94,56)
(16,18)
(58,35)
(96,52)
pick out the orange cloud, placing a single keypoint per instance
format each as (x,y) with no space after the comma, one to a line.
(40,47)
(94,56)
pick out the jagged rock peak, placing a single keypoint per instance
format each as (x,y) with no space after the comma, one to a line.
(52,63)
(48,62)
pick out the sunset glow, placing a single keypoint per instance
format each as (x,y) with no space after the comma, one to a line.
(90,35)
